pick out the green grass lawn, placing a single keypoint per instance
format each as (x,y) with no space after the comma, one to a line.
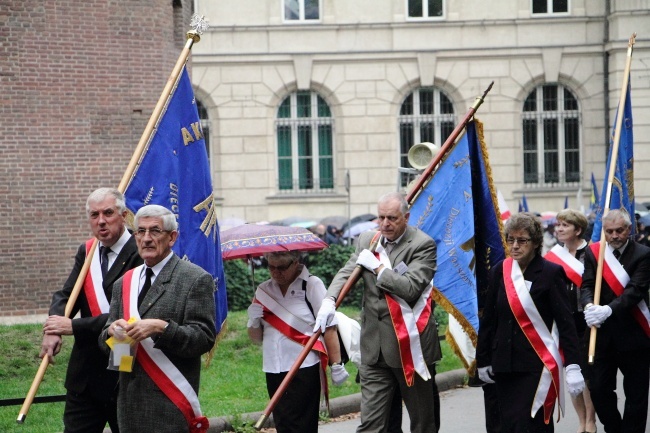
(233,384)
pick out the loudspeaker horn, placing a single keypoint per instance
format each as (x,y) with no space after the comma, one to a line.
(421,154)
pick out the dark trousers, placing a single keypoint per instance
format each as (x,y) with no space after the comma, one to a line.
(84,414)
(634,366)
(492,412)
(297,409)
(516,392)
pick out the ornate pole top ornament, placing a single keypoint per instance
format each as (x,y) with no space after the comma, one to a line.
(199,24)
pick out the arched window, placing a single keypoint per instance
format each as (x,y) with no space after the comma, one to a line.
(551,137)
(305,149)
(205,124)
(427,114)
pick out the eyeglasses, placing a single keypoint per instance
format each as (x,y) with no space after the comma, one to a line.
(280,268)
(520,241)
(154,232)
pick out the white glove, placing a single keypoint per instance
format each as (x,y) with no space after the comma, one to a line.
(325,314)
(339,374)
(596,315)
(574,381)
(255,313)
(485,374)
(368,260)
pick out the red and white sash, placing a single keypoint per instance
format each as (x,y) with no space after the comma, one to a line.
(156,364)
(408,324)
(572,266)
(545,342)
(93,288)
(617,278)
(287,323)
(295,329)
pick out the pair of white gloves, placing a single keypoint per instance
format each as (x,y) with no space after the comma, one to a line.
(574,381)
(324,318)
(337,371)
(595,315)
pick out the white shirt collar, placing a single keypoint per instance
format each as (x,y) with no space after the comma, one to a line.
(117,246)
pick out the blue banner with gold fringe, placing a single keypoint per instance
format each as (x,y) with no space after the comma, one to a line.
(458,209)
(175,173)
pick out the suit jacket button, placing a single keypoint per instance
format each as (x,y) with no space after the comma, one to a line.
(379,318)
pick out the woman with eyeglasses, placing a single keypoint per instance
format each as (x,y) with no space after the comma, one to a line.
(570,254)
(282,318)
(527,335)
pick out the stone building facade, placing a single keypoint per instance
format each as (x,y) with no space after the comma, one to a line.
(78,82)
(299,94)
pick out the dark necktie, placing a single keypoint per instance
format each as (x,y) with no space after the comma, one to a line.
(145,286)
(617,254)
(103,259)
(389,246)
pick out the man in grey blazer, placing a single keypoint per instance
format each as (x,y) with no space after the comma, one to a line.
(412,256)
(174,326)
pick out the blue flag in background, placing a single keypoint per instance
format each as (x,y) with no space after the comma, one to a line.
(457,208)
(595,198)
(174,172)
(566,202)
(622,195)
(524,203)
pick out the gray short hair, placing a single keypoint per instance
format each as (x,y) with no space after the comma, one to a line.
(615,214)
(529,222)
(101,193)
(285,257)
(157,211)
(396,196)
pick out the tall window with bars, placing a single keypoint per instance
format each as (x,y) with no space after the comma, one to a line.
(205,124)
(551,137)
(305,147)
(428,115)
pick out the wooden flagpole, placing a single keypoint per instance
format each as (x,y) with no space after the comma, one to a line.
(356,273)
(199,25)
(608,196)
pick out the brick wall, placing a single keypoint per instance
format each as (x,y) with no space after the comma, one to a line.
(78,82)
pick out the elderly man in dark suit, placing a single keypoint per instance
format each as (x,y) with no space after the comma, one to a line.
(167,307)
(623,341)
(397,279)
(91,388)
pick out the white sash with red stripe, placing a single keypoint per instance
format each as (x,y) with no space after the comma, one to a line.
(545,342)
(93,288)
(156,364)
(287,323)
(572,266)
(617,278)
(408,324)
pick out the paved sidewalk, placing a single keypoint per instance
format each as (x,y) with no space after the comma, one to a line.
(461,411)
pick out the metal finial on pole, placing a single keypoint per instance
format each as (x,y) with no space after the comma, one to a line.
(199,24)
